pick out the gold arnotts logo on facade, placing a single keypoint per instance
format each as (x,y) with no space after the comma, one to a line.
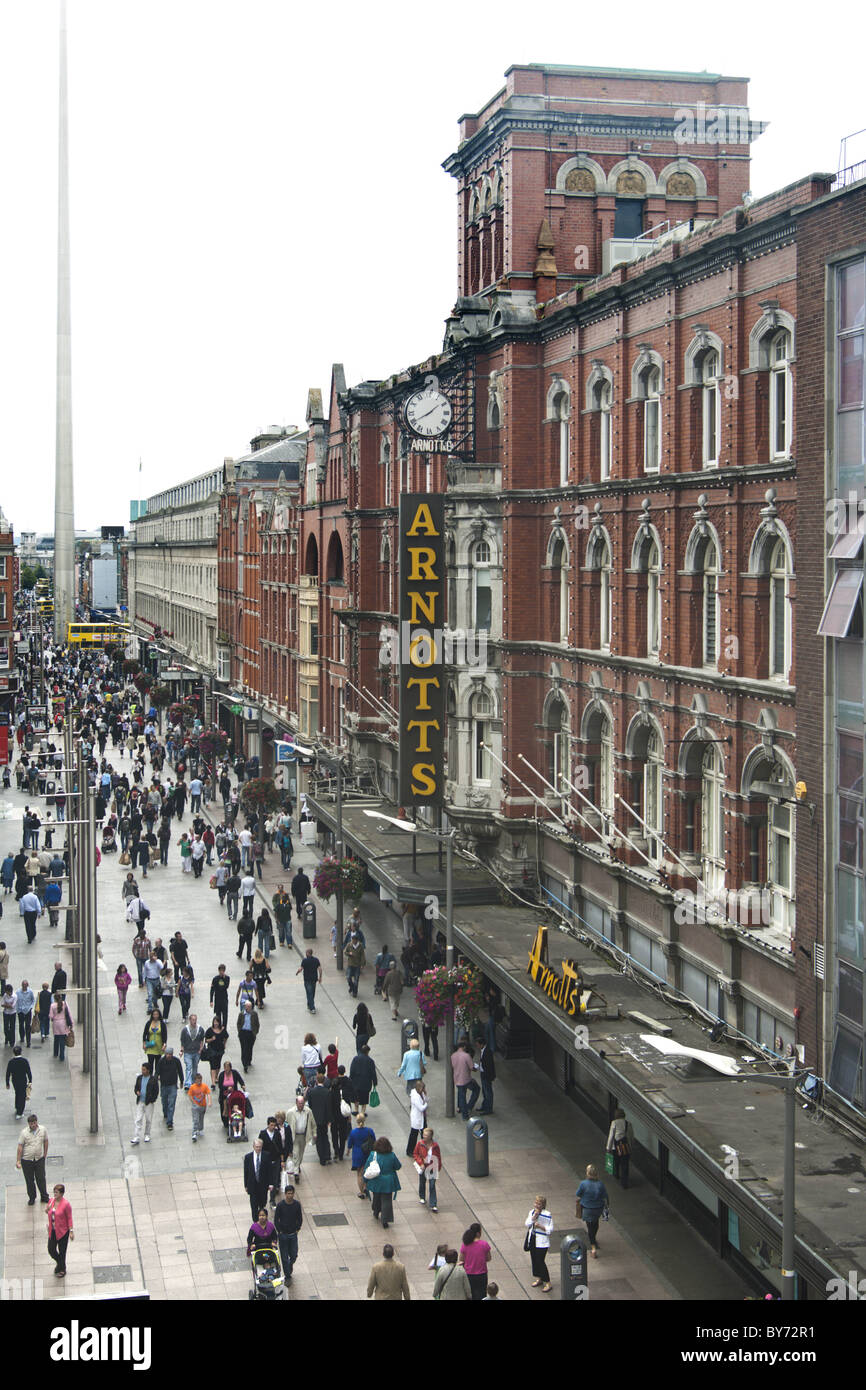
(564,989)
(422,684)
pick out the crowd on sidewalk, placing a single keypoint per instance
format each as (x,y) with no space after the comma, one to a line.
(135,812)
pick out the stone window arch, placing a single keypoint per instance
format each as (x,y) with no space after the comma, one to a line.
(682,179)
(559,412)
(558,562)
(647,559)
(597,738)
(599,557)
(645,747)
(556,720)
(580,175)
(645,180)
(482,710)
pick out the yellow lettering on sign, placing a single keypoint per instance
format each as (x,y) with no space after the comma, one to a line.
(426,773)
(424,681)
(423,523)
(538,954)
(421,645)
(421,568)
(423,725)
(428,609)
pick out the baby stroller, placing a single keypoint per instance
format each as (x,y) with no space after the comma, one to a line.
(268,1282)
(109,840)
(236,1108)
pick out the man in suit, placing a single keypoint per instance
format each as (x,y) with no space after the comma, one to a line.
(272,1145)
(258,1178)
(388,1279)
(487,1071)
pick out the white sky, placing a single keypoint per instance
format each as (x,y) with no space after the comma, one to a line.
(256,192)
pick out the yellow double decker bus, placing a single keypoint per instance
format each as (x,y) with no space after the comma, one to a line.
(97,635)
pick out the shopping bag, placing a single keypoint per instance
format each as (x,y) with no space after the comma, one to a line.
(374,1098)
(609,1166)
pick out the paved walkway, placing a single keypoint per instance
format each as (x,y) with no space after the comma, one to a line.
(171,1217)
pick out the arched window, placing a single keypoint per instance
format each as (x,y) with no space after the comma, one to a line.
(780,613)
(598,742)
(780,395)
(712,824)
(482,596)
(649,563)
(599,559)
(482,713)
(706,562)
(650,389)
(556,721)
(335,559)
(647,795)
(561,412)
(311,565)
(386,594)
(386,467)
(709,377)
(772,813)
(559,591)
(602,397)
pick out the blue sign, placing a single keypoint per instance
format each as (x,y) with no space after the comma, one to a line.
(285,752)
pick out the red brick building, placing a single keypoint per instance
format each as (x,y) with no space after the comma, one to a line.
(620,454)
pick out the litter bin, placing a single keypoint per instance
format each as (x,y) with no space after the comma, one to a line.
(309,920)
(408,1031)
(477,1149)
(572,1267)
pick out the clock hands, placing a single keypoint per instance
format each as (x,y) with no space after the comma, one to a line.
(436,406)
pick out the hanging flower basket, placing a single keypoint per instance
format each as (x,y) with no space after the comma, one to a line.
(259,795)
(442,993)
(331,872)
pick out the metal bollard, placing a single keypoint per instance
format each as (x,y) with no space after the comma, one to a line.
(477,1149)
(573,1273)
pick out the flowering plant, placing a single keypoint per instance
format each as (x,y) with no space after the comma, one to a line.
(260,795)
(442,993)
(331,872)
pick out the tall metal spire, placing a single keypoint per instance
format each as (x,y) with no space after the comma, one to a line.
(64,506)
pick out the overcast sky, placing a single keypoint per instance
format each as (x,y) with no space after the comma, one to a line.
(257,192)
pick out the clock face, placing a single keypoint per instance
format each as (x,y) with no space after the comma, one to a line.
(428,413)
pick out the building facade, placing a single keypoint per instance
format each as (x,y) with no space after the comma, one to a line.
(831,295)
(8,663)
(172,582)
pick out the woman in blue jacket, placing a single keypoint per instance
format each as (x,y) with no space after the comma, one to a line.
(592,1200)
(386,1183)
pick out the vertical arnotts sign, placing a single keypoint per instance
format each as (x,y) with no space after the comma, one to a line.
(422,671)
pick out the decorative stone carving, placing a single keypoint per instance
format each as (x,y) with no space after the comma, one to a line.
(681,186)
(631,184)
(579,181)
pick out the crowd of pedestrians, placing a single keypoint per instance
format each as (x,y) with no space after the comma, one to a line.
(144,789)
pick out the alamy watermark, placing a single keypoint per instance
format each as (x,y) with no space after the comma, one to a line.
(422,647)
(712,125)
(745,907)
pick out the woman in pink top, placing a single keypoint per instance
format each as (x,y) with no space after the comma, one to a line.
(60,1231)
(475,1257)
(122,980)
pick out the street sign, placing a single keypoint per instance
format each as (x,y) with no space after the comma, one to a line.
(284,752)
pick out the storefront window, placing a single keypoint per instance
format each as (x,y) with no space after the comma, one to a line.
(764,1258)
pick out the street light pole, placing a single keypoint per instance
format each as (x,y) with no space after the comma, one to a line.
(449,962)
